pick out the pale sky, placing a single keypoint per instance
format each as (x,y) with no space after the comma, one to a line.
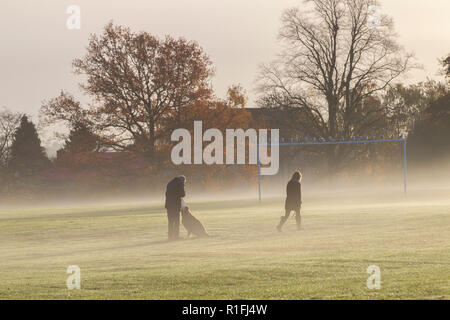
(37,48)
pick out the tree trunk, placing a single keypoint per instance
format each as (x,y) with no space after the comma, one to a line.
(150,149)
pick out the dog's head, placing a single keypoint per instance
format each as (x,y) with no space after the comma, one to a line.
(185,211)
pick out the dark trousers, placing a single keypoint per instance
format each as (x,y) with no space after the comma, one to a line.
(173,215)
(298,217)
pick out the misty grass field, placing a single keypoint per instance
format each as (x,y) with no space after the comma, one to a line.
(123,253)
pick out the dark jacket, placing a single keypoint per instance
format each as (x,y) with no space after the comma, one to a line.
(294,195)
(174,192)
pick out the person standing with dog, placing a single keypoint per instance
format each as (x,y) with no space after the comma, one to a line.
(174,194)
(293,200)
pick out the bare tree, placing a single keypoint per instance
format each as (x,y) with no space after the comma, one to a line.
(336,54)
(9,122)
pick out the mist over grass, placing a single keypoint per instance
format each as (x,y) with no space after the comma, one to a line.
(123,253)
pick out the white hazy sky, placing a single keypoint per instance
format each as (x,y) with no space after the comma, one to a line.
(37,49)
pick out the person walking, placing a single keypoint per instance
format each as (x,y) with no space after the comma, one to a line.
(293,200)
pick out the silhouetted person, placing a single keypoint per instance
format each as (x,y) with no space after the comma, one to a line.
(174,192)
(293,200)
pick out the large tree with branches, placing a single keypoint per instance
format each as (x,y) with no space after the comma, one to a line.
(136,80)
(337,54)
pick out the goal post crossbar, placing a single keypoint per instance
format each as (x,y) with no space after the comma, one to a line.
(294,142)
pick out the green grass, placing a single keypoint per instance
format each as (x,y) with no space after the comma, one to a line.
(123,253)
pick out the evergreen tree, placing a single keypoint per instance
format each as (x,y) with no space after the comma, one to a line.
(81,139)
(27,154)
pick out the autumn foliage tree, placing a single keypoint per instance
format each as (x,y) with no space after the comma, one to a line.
(237,96)
(219,114)
(142,89)
(137,80)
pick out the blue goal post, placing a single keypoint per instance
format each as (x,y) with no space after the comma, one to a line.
(331,141)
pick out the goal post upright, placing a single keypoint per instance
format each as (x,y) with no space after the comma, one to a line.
(357,140)
(259,173)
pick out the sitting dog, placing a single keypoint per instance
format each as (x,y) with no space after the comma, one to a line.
(192,224)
